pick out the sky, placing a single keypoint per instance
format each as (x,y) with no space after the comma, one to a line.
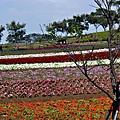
(35,12)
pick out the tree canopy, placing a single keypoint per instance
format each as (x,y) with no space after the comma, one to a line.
(16,31)
(108,13)
(2,28)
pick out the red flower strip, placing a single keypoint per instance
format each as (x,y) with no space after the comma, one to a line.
(59,58)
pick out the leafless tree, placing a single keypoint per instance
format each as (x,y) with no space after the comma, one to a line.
(111,11)
(107,7)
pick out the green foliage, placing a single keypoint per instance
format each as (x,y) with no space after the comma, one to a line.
(16,32)
(72,26)
(2,28)
(71,40)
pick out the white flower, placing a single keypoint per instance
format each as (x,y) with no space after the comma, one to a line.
(53,65)
(48,54)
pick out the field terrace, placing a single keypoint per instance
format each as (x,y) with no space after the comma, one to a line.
(53,81)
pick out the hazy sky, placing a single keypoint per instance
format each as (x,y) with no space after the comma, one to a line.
(35,12)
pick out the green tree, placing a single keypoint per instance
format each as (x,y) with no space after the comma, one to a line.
(101,19)
(93,18)
(81,24)
(35,37)
(72,26)
(31,37)
(55,28)
(16,31)
(51,29)
(76,25)
(2,28)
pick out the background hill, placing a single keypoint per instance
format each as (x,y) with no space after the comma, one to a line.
(99,38)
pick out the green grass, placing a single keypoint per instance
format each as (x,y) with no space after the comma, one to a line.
(98,42)
(18,52)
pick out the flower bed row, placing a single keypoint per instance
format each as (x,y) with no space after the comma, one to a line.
(53,73)
(75,109)
(50,87)
(48,54)
(54,65)
(59,58)
(91,109)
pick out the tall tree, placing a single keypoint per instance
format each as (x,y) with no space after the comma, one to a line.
(101,19)
(76,25)
(81,24)
(2,28)
(72,26)
(107,7)
(93,18)
(16,31)
(56,27)
(51,29)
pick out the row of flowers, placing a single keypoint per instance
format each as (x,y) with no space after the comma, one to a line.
(53,73)
(75,109)
(59,58)
(91,109)
(48,54)
(53,65)
(36,88)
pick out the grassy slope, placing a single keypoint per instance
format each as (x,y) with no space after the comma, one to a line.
(86,40)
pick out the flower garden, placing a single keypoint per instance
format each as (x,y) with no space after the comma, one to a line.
(50,87)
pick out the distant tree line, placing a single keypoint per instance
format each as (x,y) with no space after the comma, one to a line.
(79,23)
(71,26)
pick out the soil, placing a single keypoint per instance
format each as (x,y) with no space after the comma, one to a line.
(53,98)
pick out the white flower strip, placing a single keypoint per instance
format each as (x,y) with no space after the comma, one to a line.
(48,54)
(52,65)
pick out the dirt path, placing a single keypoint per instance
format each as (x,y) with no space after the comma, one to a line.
(49,98)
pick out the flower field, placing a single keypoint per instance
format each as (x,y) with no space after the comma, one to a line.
(55,57)
(92,109)
(58,86)
(50,82)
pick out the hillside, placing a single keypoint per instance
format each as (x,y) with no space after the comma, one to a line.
(91,38)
